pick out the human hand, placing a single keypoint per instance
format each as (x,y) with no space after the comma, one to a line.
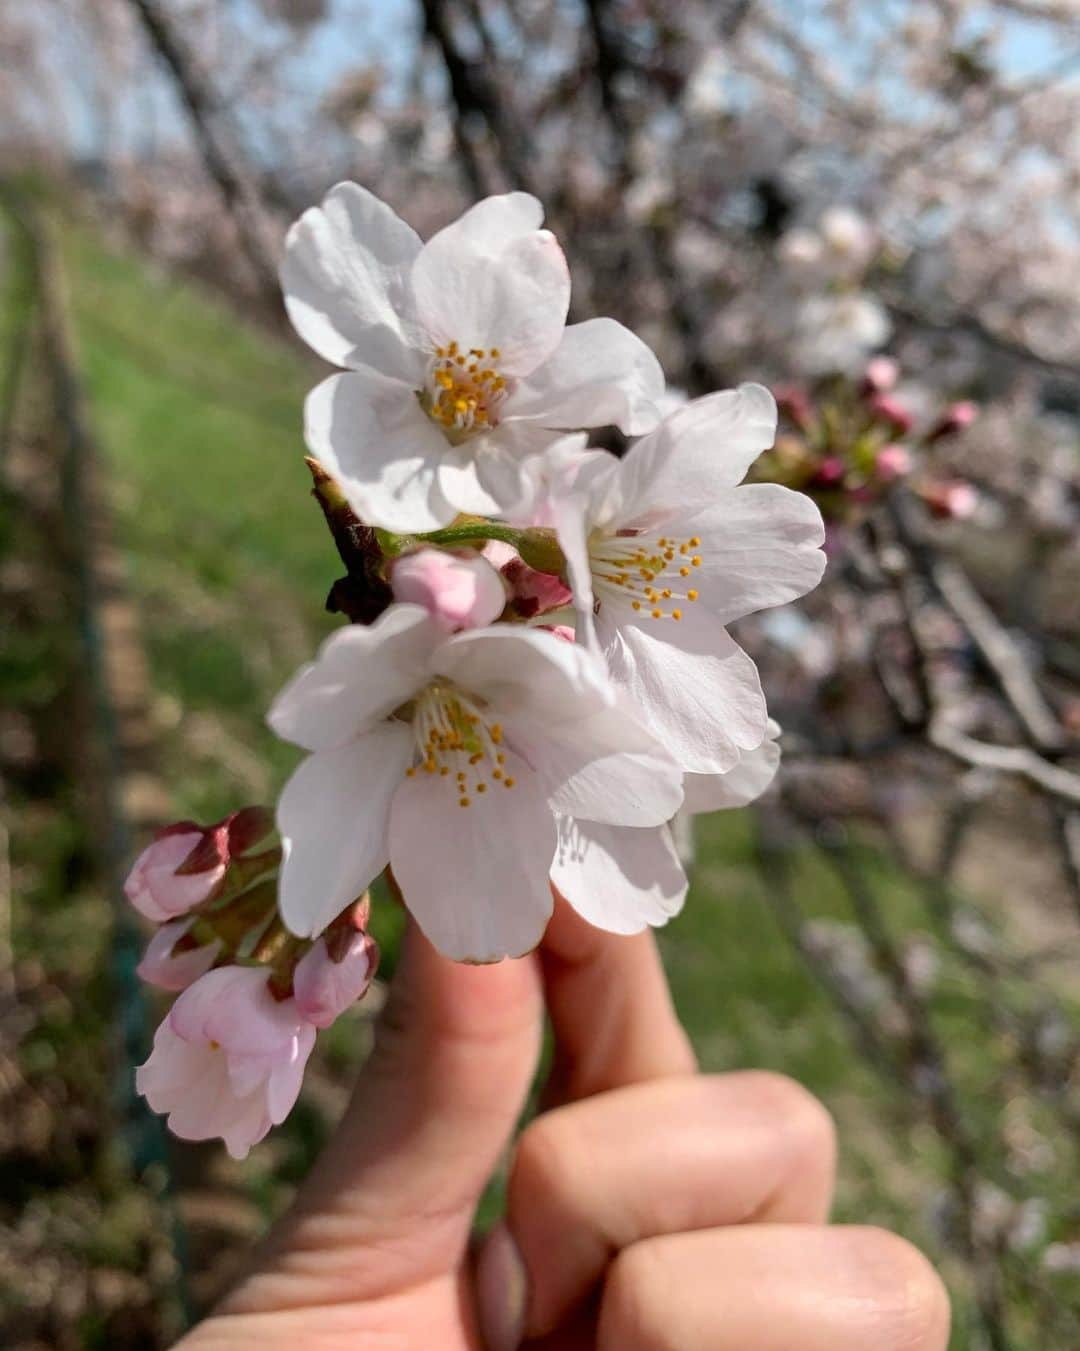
(649,1208)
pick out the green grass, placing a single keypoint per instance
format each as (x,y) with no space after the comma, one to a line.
(229,560)
(228,556)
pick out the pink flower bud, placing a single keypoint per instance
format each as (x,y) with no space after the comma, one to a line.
(329,977)
(829,472)
(563,631)
(794,404)
(892,462)
(881,375)
(186,862)
(173,959)
(885,408)
(460,591)
(957,418)
(962,501)
(227,1060)
(531,592)
(155,887)
(952,499)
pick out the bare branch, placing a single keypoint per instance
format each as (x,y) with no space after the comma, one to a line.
(223,161)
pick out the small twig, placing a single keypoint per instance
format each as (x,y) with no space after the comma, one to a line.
(1053,779)
(1000,653)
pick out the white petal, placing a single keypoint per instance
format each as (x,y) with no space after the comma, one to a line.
(499,471)
(486,292)
(165,1078)
(761,546)
(362,673)
(523,439)
(698,690)
(332,815)
(283,1087)
(748,780)
(491,224)
(459,481)
(569,520)
(371,434)
(618,878)
(523,670)
(556,469)
(248,1122)
(345,276)
(476,877)
(601,767)
(703,446)
(600,373)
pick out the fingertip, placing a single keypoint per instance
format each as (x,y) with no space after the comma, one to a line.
(502,1291)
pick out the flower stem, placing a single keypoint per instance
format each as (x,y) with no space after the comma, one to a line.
(473,530)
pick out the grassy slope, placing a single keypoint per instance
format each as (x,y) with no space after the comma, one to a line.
(230,562)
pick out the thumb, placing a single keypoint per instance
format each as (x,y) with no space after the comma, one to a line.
(391,1200)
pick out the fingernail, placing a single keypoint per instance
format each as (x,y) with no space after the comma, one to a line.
(501,1291)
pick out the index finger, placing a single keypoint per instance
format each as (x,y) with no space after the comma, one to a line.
(611,1009)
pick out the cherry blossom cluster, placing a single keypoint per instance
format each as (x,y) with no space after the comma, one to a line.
(848,441)
(547,680)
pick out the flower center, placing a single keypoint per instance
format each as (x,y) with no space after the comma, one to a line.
(650,572)
(464,391)
(456,741)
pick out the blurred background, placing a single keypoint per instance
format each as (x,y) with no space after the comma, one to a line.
(871,207)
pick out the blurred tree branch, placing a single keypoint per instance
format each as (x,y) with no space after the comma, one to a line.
(239,189)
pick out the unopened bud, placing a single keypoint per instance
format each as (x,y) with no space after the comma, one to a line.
(174,958)
(532,593)
(886,408)
(881,375)
(794,403)
(187,863)
(952,499)
(563,631)
(329,977)
(892,462)
(957,418)
(830,472)
(158,889)
(459,591)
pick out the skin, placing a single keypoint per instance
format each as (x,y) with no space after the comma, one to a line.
(649,1207)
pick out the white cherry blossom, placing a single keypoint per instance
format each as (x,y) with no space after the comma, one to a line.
(451,759)
(667,546)
(457,354)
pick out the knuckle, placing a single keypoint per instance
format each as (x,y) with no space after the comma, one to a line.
(805,1119)
(636,1291)
(542,1159)
(910,1301)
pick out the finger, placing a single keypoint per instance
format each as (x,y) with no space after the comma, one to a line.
(391,1199)
(773,1288)
(610,1007)
(674,1155)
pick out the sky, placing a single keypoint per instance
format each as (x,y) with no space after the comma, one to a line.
(360,33)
